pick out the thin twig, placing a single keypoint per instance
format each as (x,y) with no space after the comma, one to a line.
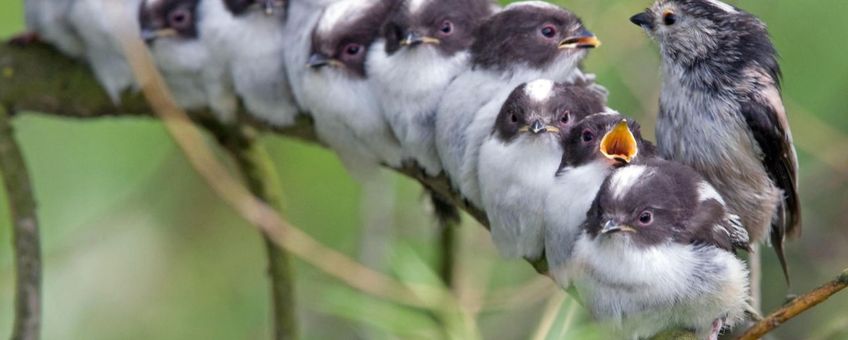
(796,306)
(262,180)
(27,247)
(190,140)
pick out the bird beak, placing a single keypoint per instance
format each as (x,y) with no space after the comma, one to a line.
(644,20)
(611,227)
(619,144)
(414,39)
(537,127)
(269,6)
(583,39)
(149,35)
(318,60)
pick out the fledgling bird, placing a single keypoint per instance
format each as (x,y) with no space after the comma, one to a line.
(301,18)
(721,111)
(336,91)
(519,158)
(526,41)
(591,150)
(422,48)
(657,251)
(196,75)
(251,34)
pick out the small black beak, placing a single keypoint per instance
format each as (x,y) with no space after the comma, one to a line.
(610,228)
(412,39)
(644,20)
(317,60)
(148,35)
(537,127)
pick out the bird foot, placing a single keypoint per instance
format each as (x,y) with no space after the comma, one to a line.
(716,329)
(25,39)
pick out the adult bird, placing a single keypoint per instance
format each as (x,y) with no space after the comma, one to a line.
(721,111)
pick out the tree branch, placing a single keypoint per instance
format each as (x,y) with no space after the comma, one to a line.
(25,234)
(261,179)
(796,306)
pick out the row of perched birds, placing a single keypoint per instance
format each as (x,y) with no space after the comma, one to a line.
(495,99)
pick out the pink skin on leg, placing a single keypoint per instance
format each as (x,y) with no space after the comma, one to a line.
(717,324)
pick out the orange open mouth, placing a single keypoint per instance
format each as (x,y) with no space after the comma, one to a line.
(619,143)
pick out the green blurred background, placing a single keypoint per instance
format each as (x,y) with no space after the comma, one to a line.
(137,247)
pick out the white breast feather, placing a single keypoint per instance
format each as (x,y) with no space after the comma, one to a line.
(514,182)
(569,200)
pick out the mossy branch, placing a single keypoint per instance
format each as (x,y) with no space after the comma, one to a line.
(26,242)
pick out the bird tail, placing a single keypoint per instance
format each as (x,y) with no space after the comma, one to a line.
(778,239)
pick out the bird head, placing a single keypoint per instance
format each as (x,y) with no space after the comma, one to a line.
(691,30)
(535,34)
(445,26)
(343,35)
(163,19)
(545,108)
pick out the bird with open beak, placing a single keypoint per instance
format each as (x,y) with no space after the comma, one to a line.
(526,41)
(657,252)
(344,106)
(721,111)
(422,47)
(251,35)
(195,74)
(592,149)
(519,158)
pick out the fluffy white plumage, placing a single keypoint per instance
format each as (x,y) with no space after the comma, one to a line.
(570,197)
(643,291)
(301,17)
(466,115)
(411,83)
(87,29)
(194,70)
(49,19)
(515,179)
(347,114)
(253,44)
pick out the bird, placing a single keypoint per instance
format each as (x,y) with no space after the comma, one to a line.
(591,149)
(519,158)
(721,111)
(657,251)
(194,73)
(423,46)
(84,29)
(301,18)
(525,41)
(251,35)
(344,106)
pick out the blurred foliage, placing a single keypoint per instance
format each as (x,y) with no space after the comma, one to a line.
(136,247)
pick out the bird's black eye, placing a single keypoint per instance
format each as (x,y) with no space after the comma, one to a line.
(446,28)
(353,49)
(646,217)
(566,116)
(587,135)
(669,18)
(180,18)
(548,31)
(513,117)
